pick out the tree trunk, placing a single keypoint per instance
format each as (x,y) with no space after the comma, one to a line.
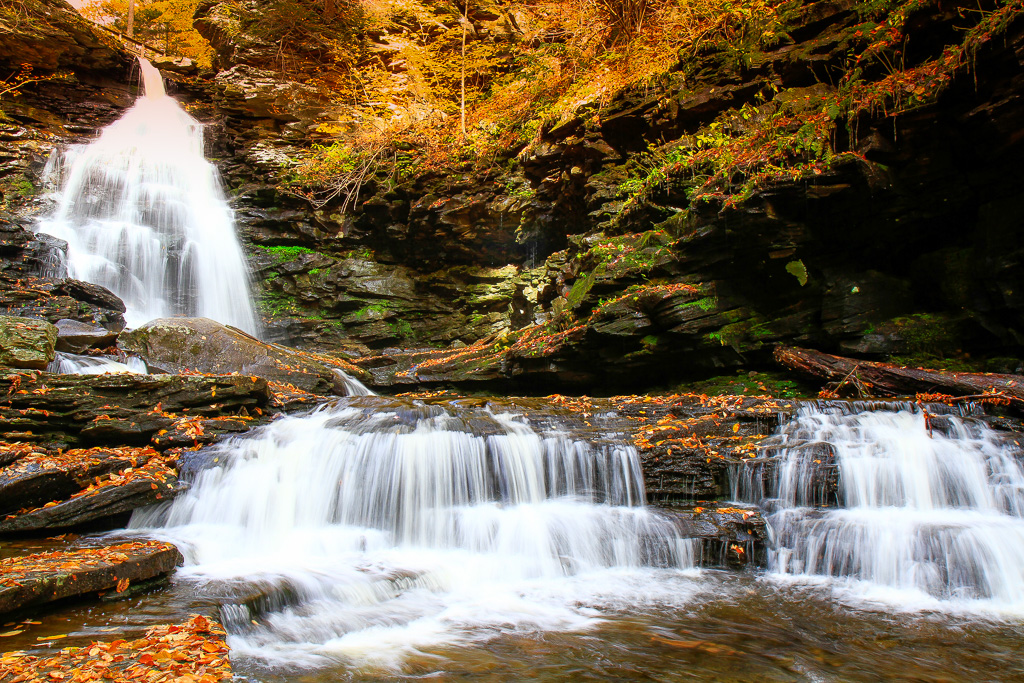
(462,105)
(894,380)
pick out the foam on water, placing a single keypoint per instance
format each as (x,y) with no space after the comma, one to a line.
(368,531)
(144,215)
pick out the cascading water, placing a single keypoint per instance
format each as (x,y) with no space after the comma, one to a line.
(143,214)
(74,364)
(369,530)
(930,508)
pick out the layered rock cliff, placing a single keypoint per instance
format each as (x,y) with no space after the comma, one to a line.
(807,189)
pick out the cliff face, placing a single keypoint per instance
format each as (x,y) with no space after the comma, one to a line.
(802,191)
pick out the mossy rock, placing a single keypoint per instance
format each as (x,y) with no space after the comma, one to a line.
(26,342)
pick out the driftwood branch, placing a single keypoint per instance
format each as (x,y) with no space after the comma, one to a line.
(893,380)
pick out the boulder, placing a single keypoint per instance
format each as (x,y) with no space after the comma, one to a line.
(177,345)
(74,336)
(26,343)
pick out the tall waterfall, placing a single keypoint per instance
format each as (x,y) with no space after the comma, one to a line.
(366,531)
(929,507)
(144,215)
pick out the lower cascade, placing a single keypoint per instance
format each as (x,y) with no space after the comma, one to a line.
(373,528)
(899,506)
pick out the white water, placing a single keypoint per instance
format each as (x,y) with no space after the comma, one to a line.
(369,531)
(353,387)
(144,215)
(928,518)
(74,364)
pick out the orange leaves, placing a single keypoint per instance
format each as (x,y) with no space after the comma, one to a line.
(192,652)
(122,585)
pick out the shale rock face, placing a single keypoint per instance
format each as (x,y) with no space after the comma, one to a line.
(26,343)
(58,411)
(27,289)
(50,34)
(925,199)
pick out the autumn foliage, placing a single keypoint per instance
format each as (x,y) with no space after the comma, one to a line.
(193,652)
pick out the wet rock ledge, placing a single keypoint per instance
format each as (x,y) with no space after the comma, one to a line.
(46,577)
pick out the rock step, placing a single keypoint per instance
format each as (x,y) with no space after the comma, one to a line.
(120,409)
(45,577)
(113,494)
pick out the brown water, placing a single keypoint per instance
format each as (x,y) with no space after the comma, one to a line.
(732,627)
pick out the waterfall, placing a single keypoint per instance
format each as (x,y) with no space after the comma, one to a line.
(371,529)
(144,215)
(923,510)
(74,364)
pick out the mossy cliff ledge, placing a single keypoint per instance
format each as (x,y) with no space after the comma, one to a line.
(802,192)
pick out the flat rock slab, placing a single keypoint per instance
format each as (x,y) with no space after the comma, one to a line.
(119,409)
(115,493)
(38,477)
(75,336)
(195,651)
(46,577)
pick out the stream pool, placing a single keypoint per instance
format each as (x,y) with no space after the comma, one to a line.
(703,625)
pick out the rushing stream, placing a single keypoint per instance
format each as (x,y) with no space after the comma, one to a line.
(376,539)
(924,511)
(366,532)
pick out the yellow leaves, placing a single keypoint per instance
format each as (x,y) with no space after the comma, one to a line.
(736,427)
(8,634)
(56,637)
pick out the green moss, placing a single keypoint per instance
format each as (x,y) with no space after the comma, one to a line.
(402,329)
(777,384)
(798,270)
(933,362)
(706,304)
(925,333)
(582,287)
(285,254)
(373,310)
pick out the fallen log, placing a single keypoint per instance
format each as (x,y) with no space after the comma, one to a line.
(893,380)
